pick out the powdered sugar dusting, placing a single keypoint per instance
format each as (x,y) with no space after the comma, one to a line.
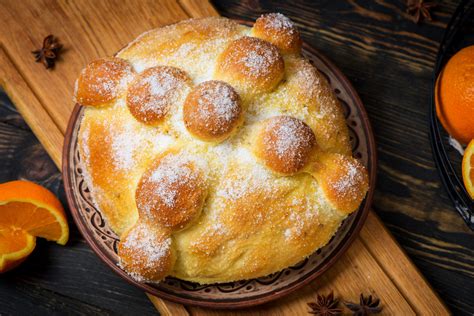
(255,58)
(259,60)
(255,177)
(106,77)
(160,142)
(154,92)
(85,135)
(170,172)
(278,21)
(145,243)
(165,182)
(219,101)
(129,139)
(123,148)
(257,113)
(218,106)
(159,86)
(104,85)
(291,135)
(304,212)
(255,61)
(149,250)
(349,181)
(307,76)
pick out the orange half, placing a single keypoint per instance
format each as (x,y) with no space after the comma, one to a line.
(27,211)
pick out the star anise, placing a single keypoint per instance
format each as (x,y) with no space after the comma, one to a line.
(49,52)
(325,306)
(366,306)
(420,9)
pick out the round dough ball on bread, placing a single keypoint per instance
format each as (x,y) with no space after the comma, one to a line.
(171,192)
(146,252)
(278,30)
(154,91)
(285,144)
(212,111)
(343,179)
(251,65)
(102,81)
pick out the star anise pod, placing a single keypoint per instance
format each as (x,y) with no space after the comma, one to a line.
(366,306)
(49,52)
(420,9)
(325,306)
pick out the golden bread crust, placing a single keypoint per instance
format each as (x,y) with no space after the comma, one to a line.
(154,91)
(278,30)
(251,65)
(212,111)
(236,205)
(285,144)
(189,44)
(102,81)
(171,192)
(146,252)
(343,180)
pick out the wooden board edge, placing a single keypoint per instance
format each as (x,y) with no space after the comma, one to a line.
(412,284)
(168,308)
(30,107)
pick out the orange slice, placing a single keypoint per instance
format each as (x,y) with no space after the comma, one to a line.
(468,169)
(27,211)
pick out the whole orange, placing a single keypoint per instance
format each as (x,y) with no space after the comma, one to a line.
(454,95)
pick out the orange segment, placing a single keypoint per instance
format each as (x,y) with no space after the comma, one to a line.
(28,210)
(15,246)
(468,169)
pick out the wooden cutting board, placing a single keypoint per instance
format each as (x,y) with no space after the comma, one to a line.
(374,264)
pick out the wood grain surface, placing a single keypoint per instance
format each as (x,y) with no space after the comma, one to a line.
(389,60)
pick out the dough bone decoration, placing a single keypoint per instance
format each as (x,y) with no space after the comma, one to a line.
(27,211)
(215,151)
(454,99)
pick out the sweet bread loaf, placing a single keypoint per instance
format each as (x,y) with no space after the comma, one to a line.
(215,151)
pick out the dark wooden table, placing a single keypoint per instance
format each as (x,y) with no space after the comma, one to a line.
(389,59)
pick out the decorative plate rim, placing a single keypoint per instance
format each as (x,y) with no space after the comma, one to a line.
(340,249)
